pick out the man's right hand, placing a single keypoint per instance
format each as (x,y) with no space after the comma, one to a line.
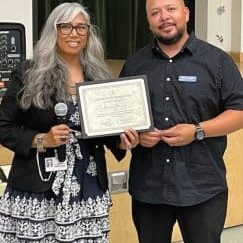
(149,139)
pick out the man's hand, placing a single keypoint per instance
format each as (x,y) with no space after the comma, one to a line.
(149,139)
(179,135)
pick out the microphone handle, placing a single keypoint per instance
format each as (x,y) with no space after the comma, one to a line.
(61,153)
(61,150)
(61,120)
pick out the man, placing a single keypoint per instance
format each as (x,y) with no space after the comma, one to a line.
(196,91)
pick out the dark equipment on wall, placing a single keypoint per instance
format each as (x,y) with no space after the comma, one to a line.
(12,51)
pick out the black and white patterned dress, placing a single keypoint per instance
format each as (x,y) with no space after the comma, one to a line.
(75,209)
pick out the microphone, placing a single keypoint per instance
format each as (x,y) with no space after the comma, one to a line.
(61,110)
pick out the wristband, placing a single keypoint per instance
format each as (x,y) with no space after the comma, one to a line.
(39,143)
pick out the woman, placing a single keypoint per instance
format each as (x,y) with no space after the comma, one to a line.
(42,202)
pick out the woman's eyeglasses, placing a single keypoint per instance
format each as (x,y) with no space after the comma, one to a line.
(67,28)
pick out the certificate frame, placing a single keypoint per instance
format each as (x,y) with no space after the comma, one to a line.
(108,107)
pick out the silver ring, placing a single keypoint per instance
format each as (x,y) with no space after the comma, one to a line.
(64,138)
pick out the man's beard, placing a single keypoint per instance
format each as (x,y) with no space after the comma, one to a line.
(171,40)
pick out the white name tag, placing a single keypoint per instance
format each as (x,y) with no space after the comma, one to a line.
(189,79)
(53,164)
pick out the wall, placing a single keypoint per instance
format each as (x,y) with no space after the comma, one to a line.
(213,22)
(219,23)
(201,19)
(21,12)
(236,25)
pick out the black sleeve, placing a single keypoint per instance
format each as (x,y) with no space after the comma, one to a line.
(111,142)
(231,83)
(123,72)
(13,133)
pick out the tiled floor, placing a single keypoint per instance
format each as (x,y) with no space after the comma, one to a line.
(233,235)
(230,235)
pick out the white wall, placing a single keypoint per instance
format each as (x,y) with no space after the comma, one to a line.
(241,27)
(219,24)
(19,11)
(201,19)
(236,25)
(212,26)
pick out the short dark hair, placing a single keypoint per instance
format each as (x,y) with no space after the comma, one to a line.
(186,2)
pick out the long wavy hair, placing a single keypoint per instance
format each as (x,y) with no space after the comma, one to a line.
(45,79)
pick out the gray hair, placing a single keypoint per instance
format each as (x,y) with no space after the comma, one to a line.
(46,77)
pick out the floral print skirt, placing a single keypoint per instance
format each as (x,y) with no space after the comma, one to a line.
(75,209)
(26,217)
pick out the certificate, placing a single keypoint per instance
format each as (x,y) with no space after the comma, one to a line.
(108,107)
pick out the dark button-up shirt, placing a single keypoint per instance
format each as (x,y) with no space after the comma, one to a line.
(196,85)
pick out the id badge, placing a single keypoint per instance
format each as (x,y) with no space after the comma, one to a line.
(53,164)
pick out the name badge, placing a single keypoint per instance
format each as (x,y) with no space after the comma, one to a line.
(189,79)
(53,164)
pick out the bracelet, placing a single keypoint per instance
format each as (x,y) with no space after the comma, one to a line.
(39,143)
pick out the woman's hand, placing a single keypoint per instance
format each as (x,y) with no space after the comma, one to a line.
(129,139)
(57,136)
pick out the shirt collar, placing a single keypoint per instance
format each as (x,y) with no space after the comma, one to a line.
(190,45)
